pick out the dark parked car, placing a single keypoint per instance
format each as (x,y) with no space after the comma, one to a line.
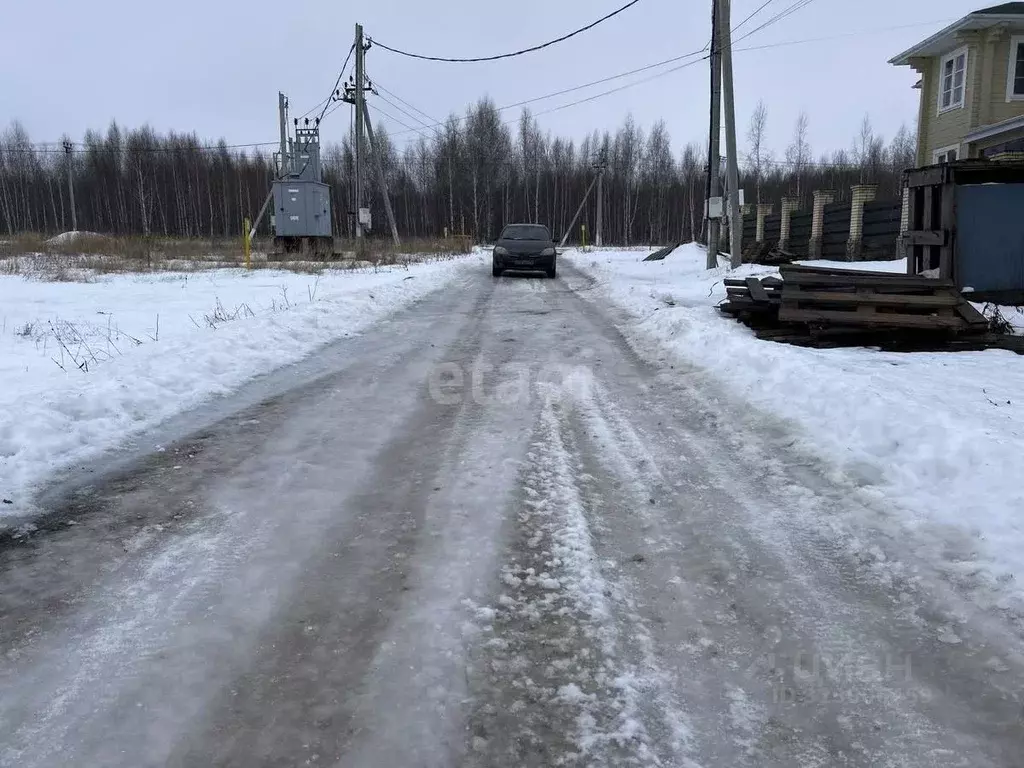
(526,247)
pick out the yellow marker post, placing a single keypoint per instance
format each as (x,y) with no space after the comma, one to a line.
(246,243)
(583,235)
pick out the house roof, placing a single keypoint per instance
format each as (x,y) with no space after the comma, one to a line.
(1004,8)
(984,18)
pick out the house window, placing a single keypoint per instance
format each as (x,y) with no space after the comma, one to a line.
(946,154)
(1015,70)
(953,80)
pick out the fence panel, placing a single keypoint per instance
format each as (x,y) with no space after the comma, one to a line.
(800,233)
(881,230)
(836,231)
(749,228)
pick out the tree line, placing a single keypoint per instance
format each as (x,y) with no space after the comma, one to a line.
(469,175)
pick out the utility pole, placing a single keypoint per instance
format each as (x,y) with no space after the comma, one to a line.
(68,148)
(375,150)
(579,210)
(282,110)
(601,165)
(729,95)
(714,149)
(360,113)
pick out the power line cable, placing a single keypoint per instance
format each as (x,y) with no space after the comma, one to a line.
(334,109)
(405,112)
(42,150)
(330,97)
(841,36)
(317,106)
(437,124)
(413,107)
(786,12)
(622,87)
(531,49)
(778,17)
(792,9)
(760,8)
(337,82)
(592,83)
(394,119)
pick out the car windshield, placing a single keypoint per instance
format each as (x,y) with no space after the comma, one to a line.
(526,232)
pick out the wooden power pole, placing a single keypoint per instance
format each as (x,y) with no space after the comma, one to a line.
(360,108)
(579,210)
(375,151)
(729,97)
(714,148)
(68,149)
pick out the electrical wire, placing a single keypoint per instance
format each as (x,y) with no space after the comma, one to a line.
(760,8)
(433,120)
(40,149)
(647,79)
(778,17)
(785,13)
(841,36)
(405,112)
(334,90)
(439,124)
(317,106)
(531,49)
(394,119)
(334,109)
(592,83)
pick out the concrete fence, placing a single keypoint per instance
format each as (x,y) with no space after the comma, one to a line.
(861,229)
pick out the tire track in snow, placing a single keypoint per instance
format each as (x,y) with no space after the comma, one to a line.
(567,679)
(714,664)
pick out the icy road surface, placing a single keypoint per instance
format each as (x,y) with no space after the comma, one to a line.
(485,533)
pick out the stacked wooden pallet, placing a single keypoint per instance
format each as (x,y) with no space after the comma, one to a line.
(874,300)
(821,307)
(755,302)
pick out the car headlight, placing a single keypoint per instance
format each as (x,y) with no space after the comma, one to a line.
(548,252)
(499,251)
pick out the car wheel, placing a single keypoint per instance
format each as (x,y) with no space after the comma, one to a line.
(553,272)
(496,272)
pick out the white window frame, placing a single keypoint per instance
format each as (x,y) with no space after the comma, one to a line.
(1011,69)
(945,150)
(953,56)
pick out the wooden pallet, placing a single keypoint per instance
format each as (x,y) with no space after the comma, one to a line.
(752,296)
(856,299)
(826,308)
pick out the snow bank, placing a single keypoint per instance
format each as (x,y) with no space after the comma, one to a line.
(85,364)
(65,238)
(939,435)
(897,266)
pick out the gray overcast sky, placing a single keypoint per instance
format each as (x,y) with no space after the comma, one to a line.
(215,67)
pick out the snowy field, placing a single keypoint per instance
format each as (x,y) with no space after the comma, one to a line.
(938,436)
(84,364)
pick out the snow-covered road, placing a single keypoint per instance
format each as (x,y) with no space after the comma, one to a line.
(487,532)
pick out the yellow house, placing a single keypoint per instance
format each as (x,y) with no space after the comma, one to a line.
(972,87)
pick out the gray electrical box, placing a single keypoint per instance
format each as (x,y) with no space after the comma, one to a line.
(302,202)
(302,208)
